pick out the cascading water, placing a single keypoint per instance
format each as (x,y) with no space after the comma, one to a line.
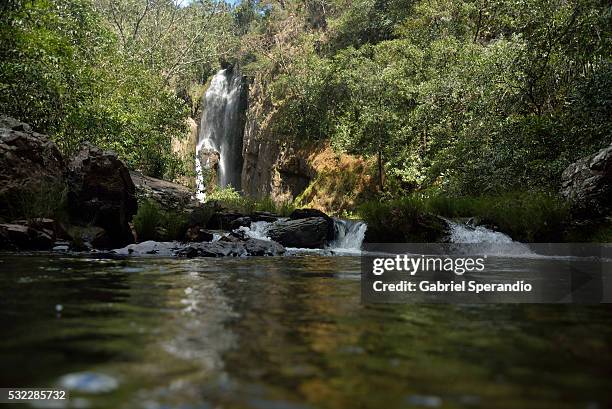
(463,233)
(349,234)
(488,241)
(221,131)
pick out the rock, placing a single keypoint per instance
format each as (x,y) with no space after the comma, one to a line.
(232,248)
(101,193)
(223,220)
(88,237)
(587,185)
(209,165)
(19,237)
(167,195)
(197,234)
(311,232)
(256,247)
(52,227)
(305,213)
(397,228)
(150,247)
(264,217)
(32,170)
(240,222)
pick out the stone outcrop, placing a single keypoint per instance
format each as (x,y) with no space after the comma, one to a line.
(587,184)
(311,232)
(306,213)
(101,193)
(30,165)
(167,195)
(285,168)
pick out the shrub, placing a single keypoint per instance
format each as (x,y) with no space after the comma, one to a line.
(525,216)
(45,199)
(151,223)
(146,221)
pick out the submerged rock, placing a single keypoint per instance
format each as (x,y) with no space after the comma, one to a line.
(587,184)
(101,193)
(311,232)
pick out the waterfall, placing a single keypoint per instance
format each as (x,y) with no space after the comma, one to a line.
(221,131)
(348,234)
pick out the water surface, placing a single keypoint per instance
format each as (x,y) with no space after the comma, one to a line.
(285,333)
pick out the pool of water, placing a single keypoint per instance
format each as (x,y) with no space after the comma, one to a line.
(279,333)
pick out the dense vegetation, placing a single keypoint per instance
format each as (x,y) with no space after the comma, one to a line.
(450,98)
(469,96)
(116,73)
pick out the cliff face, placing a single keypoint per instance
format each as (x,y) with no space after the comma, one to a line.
(287,170)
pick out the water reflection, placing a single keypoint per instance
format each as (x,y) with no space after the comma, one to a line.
(286,333)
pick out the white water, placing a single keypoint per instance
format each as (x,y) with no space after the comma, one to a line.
(348,235)
(488,241)
(463,233)
(220,131)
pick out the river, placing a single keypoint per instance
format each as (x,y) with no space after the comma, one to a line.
(287,332)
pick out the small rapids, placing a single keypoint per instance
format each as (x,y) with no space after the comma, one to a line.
(486,241)
(348,236)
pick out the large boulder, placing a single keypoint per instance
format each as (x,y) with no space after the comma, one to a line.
(101,193)
(223,220)
(31,169)
(306,213)
(311,232)
(232,248)
(587,184)
(167,195)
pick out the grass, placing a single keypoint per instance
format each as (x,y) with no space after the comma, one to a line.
(152,223)
(524,216)
(231,199)
(44,200)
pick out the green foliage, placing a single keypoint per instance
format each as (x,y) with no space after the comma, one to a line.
(472,97)
(524,216)
(68,68)
(229,198)
(43,200)
(146,221)
(152,223)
